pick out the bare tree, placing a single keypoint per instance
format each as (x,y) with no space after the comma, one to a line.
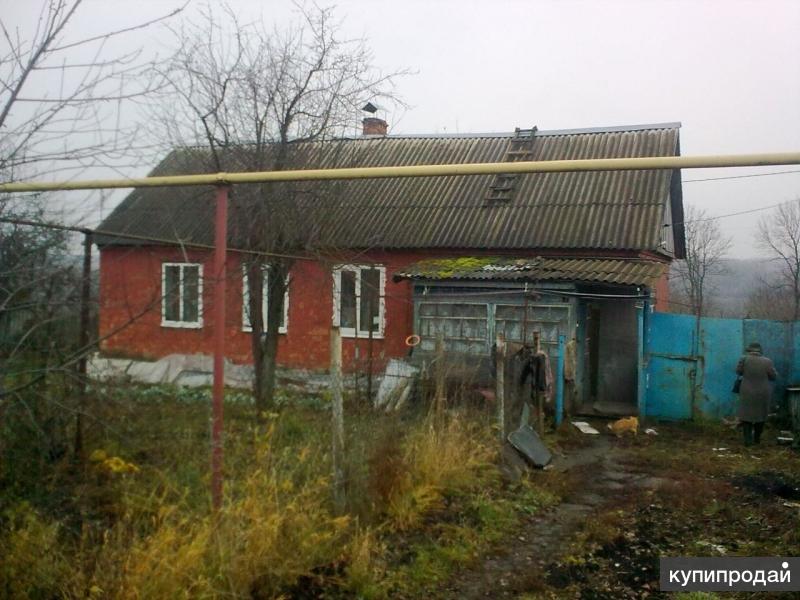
(250,95)
(60,100)
(59,110)
(769,301)
(779,235)
(706,247)
(62,97)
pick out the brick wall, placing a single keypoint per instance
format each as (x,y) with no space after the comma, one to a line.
(130,310)
(662,293)
(130,313)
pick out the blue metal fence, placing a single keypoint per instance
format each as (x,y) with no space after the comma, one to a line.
(690,375)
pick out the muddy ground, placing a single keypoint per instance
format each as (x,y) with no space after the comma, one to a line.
(690,490)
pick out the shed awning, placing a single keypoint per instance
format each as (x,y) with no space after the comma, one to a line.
(586,270)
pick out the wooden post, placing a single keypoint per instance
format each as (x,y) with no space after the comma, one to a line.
(370,348)
(83,340)
(441,393)
(218,388)
(337,425)
(525,320)
(500,385)
(357,364)
(537,347)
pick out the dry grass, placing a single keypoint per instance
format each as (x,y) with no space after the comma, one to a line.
(451,455)
(146,531)
(31,560)
(276,526)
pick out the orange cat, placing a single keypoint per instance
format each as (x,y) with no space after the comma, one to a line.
(622,426)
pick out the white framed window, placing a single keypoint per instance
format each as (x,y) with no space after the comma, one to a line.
(182,295)
(246,323)
(358,300)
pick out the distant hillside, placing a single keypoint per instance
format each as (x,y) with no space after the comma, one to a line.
(733,287)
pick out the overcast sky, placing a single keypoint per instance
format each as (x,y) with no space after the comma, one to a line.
(728,71)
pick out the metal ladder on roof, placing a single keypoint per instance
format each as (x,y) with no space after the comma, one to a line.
(520,148)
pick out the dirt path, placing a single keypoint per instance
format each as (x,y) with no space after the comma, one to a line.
(545,537)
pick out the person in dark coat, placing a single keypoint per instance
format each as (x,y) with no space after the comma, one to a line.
(756,371)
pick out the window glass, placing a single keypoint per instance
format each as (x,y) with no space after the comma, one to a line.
(246,322)
(266,302)
(359,302)
(370,300)
(182,288)
(191,293)
(172,294)
(347,299)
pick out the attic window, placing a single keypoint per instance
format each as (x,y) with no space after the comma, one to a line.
(182,295)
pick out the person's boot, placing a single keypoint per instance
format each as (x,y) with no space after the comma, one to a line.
(747,430)
(758,428)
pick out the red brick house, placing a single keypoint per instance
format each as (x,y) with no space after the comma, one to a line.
(590,237)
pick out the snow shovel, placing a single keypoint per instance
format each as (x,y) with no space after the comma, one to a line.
(528,443)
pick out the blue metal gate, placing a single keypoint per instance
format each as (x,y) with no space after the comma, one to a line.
(690,375)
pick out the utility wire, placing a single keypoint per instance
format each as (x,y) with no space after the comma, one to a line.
(145,238)
(354,260)
(201,246)
(714,218)
(86,230)
(741,176)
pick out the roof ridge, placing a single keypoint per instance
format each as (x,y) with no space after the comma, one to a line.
(477,135)
(539,133)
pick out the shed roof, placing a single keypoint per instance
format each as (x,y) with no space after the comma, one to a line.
(586,270)
(613,210)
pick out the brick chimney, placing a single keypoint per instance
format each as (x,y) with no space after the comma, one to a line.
(374,126)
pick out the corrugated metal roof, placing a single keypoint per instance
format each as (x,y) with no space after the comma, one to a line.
(673,125)
(589,270)
(621,210)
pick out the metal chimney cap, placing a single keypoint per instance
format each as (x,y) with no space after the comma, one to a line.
(371,108)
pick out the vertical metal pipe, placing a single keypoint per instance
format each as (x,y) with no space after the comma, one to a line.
(218,390)
(560,381)
(641,383)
